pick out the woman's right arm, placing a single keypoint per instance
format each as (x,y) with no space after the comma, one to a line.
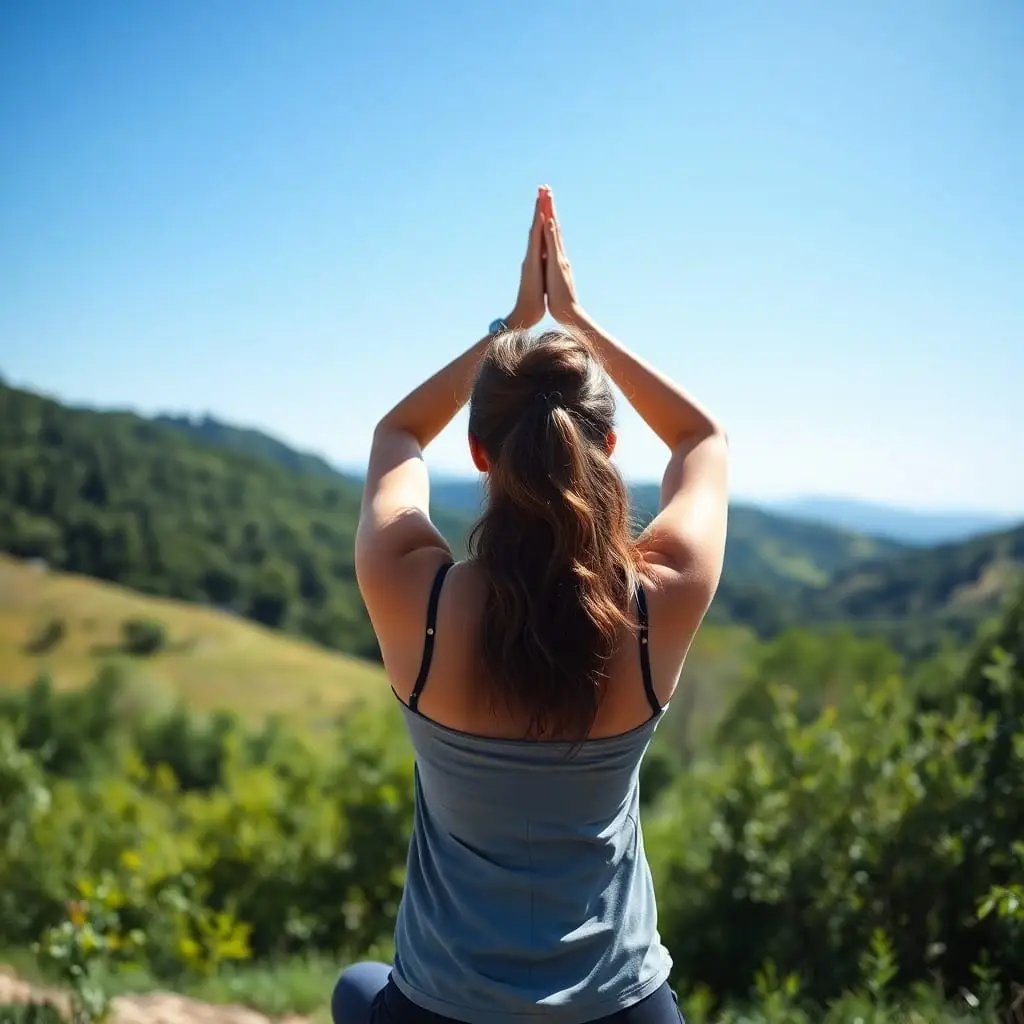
(688,534)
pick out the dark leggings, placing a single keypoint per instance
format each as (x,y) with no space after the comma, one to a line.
(365,994)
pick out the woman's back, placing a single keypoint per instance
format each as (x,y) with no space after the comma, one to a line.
(527,880)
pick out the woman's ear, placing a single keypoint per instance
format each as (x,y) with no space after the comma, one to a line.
(610,442)
(476,450)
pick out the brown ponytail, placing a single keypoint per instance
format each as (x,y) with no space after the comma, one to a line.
(554,540)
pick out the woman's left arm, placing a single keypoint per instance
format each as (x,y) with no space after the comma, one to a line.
(394,520)
(398,548)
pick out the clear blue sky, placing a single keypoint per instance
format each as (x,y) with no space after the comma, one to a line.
(287,214)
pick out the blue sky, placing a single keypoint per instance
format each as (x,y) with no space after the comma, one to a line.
(288,214)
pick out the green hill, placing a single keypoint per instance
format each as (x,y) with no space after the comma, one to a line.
(914,596)
(205,512)
(247,441)
(68,626)
(450,521)
(121,498)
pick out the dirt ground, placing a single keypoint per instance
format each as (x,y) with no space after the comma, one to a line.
(153,1008)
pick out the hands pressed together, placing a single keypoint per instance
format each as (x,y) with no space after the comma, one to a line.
(546,279)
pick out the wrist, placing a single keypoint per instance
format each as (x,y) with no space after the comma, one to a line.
(519,321)
(575,317)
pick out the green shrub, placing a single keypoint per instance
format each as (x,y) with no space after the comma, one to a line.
(143,637)
(68,731)
(888,818)
(46,637)
(29,1013)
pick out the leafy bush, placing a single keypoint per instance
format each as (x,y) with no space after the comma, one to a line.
(47,637)
(888,818)
(67,731)
(143,637)
(29,1013)
(279,850)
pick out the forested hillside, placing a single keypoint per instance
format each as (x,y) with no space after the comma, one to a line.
(450,521)
(914,595)
(208,512)
(119,497)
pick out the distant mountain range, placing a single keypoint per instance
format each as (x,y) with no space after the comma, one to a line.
(889,523)
(206,511)
(900,524)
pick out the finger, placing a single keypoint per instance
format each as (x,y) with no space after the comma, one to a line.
(551,236)
(554,243)
(544,201)
(556,229)
(537,227)
(535,241)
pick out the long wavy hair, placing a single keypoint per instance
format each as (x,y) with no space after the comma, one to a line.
(554,539)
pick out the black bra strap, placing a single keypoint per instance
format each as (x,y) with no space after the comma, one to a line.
(645,654)
(428,643)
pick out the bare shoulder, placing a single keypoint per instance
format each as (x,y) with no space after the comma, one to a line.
(396,601)
(680,590)
(677,602)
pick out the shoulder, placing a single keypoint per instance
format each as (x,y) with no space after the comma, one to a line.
(396,591)
(678,592)
(400,611)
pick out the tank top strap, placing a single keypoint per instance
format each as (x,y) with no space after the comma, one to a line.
(645,654)
(428,642)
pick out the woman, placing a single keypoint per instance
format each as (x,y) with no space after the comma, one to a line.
(533,675)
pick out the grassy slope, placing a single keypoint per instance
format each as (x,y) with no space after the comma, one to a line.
(217,660)
(221,661)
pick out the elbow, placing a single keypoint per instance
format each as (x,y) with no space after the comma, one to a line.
(715,430)
(714,427)
(385,426)
(388,429)
(709,431)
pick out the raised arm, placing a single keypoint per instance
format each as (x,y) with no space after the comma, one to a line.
(688,534)
(397,546)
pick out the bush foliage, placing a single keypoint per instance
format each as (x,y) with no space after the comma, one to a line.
(868,846)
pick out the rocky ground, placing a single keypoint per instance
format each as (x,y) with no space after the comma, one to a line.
(153,1008)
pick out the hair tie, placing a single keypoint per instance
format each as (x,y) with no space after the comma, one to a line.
(550,398)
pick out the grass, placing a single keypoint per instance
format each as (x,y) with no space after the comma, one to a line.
(303,986)
(213,659)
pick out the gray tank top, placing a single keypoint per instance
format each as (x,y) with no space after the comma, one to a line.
(527,893)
